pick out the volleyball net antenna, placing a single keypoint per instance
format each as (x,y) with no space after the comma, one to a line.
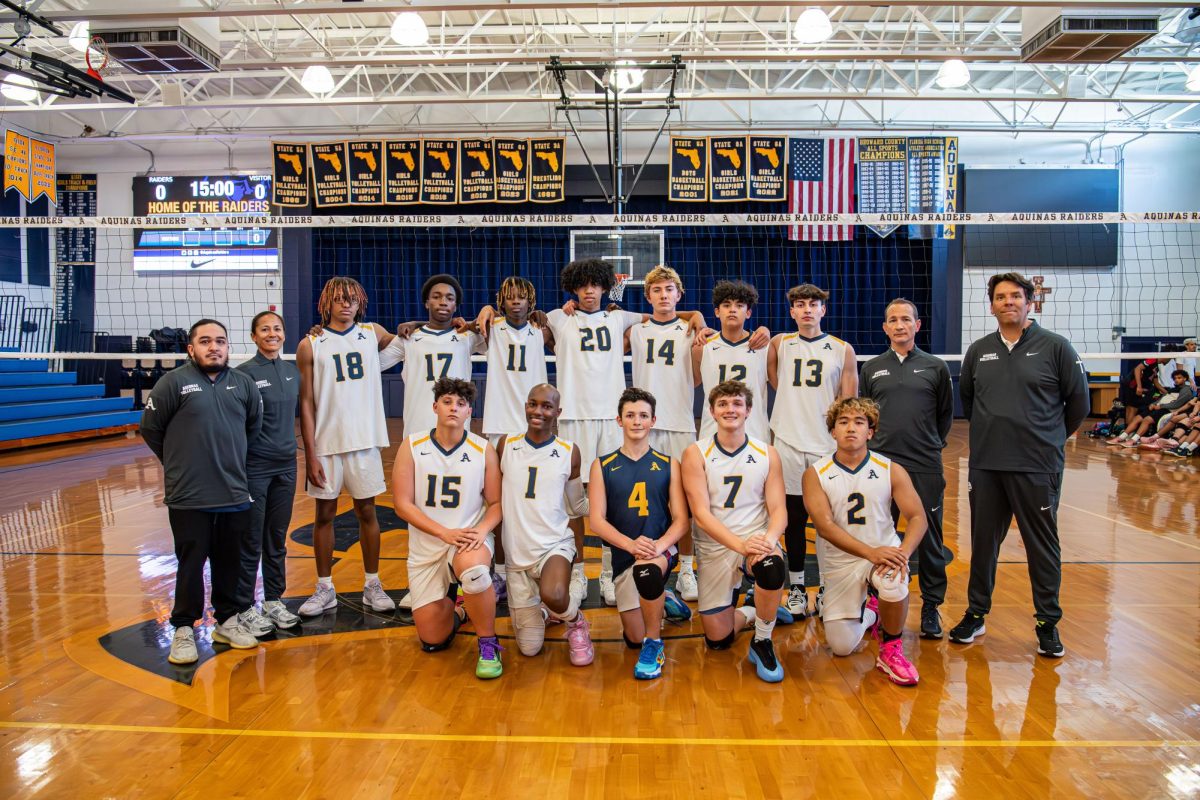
(1118,285)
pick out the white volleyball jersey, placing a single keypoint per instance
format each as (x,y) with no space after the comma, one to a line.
(662,365)
(809,374)
(516,362)
(348,390)
(861,499)
(723,360)
(429,355)
(737,484)
(590,357)
(533,498)
(447,486)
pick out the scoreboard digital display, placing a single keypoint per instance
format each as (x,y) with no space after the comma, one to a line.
(241,248)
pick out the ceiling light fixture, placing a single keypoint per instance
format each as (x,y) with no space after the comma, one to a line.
(409,30)
(953,74)
(813,26)
(80,36)
(317,79)
(19,88)
(626,76)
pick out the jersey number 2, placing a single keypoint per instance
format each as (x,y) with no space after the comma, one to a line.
(854,512)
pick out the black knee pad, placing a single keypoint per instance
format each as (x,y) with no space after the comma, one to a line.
(649,580)
(720,644)
(631,645)
(437,648)
(770,572)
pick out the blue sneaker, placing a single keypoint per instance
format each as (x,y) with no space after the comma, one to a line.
(783,616)
(675,609)
(650,663)
(762,656)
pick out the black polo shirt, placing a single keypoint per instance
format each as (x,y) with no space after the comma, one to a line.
(274,451)
(916,407)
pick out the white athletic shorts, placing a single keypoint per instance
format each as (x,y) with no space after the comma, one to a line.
(628,597)
(429,578)
(794,463)
(593,437)
(846,588)
(719,572)
(359,473)
(671,443)
(524,588)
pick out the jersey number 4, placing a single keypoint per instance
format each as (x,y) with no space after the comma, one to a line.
(353,368)
(450,496)
(814,366)
(637,499)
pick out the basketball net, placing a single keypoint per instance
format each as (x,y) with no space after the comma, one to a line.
(618,290)
(96,57)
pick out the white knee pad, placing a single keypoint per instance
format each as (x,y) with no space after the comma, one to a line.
(844,635)
(892,587)
(476,579)
(530,629)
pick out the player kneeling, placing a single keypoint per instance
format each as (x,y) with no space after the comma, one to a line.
(542,490)
(734,486)
(637,506)
(446,486)
(849,497)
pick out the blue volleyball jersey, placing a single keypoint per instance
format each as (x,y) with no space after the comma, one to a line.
(638,498)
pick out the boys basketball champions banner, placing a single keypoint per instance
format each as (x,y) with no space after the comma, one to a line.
(29,167)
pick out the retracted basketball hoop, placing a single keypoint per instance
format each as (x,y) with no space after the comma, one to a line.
(96,57)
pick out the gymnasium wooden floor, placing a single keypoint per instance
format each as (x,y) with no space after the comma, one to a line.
(88,707)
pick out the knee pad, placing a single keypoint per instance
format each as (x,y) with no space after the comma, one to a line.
(770,572)
(476,579)
(649,580)
(530,629)
(437,648)
(891,589)
(629,644)
(720,644)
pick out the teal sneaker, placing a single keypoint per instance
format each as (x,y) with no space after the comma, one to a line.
(675,609)
(762,656)
(650,663)
(488,666)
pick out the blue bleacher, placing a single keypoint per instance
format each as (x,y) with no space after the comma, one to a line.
(36,402)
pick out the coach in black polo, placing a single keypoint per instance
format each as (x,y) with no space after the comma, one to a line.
(916,408)
(1024,391)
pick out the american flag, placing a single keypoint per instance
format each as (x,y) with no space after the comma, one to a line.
(821,181)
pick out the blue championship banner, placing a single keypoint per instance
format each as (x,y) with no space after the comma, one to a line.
(402,171)
(883,178)
(366,173)
(476,171)
(512,170)
(727,168)
(289,187)
(439,171)
(766,156)
(688,181)
(926,181)
(546,162)
(331,177)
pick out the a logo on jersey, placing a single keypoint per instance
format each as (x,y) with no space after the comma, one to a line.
(360,335)
(654,468)
(871,474)
(424,452)
(454,337)
(827,346)
(554,453)
(989,357)
(465,457)
(750,460)
(150,404)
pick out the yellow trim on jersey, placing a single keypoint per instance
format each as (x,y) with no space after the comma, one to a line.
(713,338)
(608,460)
(752,447)
(710,448)
(514,437)
(471,442)
(836,339)
(422,440)
(564,444)
(368,325)
(787,336)
(880,463)
(661,456)
(825,468)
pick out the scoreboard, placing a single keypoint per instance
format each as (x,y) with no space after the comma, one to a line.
(242,248)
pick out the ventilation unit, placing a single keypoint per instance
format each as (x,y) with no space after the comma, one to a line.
(163,50)
(1081,35)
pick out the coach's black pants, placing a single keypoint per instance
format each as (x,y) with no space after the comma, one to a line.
(210,536)
(270,517)
(1033,497)
(932,555)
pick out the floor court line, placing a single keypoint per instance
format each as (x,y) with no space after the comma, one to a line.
(1128,525)
(598,740)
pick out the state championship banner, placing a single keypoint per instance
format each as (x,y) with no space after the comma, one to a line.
(727,168)
(688,181)
(439,171)
(16,163)
(331,176)
(366,173)
(76,198)
(402,171)
(476,171)
(766,157)
(926,181)
(29,167)
(546,173)
(883,178)
(512,170)
(43,180)
(290,177)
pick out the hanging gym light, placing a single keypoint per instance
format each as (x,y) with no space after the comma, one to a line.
(317,79)
(813,26)
(953,74)
(19,88)
(409,30)
(626,76)
(80,36)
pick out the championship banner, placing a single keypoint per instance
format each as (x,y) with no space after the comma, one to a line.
(290,176)
(882,178)
(512,170)
(688,182)
(76,198)
(926,181)
(951,160)
(331,176)
(16,163)
(402,170)
(439,171)
(727,168)
(476,171)
(42,178)
(766,156)
(546,183)
(366,173)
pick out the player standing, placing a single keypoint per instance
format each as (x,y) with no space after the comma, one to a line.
(637,505)
(446,486)
(809,370)
(849,496)
(730,355)
(735,488)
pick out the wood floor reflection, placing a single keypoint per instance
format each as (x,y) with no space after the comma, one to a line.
(85,550)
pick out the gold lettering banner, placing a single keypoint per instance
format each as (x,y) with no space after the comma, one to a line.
(29,167)
(289,187)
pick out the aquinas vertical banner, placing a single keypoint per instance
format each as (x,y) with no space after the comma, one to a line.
(688,182)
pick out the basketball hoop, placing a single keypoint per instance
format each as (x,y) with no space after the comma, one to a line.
(96,57)
(618,290)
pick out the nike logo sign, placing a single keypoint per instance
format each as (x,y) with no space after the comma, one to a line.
(614,469)
(935,508)
(1030,354)
(1045,508)
(230,388)
(424,452)
(515,449)
(915,371)
(287,379)
(198,264)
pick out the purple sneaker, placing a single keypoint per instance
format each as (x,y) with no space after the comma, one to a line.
(501,587)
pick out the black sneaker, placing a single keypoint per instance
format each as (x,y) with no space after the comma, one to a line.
(966,631)
(1048,642)
(762,656)
(931,622)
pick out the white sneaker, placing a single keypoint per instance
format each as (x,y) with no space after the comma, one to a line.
(608,589)
(820,604)
(687,587)
(183,647)
(255,623)
(376,599)
(232,633)
(406,601)
(323,599)
(579,586)
(278,613)
(797,601)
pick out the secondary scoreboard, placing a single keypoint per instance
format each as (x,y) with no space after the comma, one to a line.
(242,248)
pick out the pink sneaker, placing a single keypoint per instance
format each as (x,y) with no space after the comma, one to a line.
(1114,440)
(892,662)
(579,641)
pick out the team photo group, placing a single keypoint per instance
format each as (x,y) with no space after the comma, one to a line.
(713,519)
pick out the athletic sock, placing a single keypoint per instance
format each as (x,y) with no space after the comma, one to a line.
(577,569)
(1134,438)
(1191,447)
(763,628)
(748,613)
(325,581)
(502,570)
(795,578)
(370,576)
(606,567)
(685,565)
(890,637)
